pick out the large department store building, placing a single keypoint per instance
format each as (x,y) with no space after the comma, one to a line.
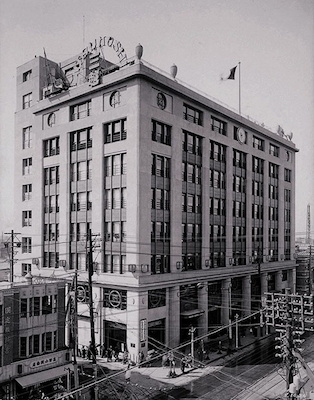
(190,205)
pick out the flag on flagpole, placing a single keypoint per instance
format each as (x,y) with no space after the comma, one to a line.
(231,74)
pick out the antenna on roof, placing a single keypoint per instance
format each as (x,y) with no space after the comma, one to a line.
(83,31)
(48,73)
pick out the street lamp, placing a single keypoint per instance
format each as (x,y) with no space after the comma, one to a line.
(237,331)
(191,332)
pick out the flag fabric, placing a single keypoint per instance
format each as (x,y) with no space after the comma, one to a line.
(231,74)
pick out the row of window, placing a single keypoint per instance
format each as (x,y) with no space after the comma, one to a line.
(115,198)
(115,231)
(160,231)
(38,344)
(51,232)
(36,306)
(79,231)
(191,203)
(81,201)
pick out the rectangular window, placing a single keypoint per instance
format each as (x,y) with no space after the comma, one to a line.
(160,166)
(161,132)
(217,179)
(239,159)
(27,101)
(191,114)
(81,139)
(51,147)
(26,192)
(115,165)
(27,75)
(30,306)
(273,150)
(26,268)
(23,308)
(36,306)
(273,192)
(51,175)
(192,143)
(273,170)
(287,175)
(23,346)
(27,218)
(36,344)
(258,165)
(27,166)
(116,198)
(258,143)
(47,305)
(257,188)
(219,126)
(81,110)
(27,137)
(115,131)
(239,184)
(217,152)
(48,341)
(26,244)
(287,195)
(123,197)
(30,345)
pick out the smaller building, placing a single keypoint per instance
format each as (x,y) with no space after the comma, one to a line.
(33,355)
(305,273)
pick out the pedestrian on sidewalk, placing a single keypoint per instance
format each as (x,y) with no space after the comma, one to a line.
(141,358)
(183,364)
(83,351)
(128,374)
(164,361)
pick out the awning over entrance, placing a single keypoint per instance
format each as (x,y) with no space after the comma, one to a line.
(192,313)
(43,376)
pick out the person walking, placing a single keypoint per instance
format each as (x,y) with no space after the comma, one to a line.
(128,374)
(109,354)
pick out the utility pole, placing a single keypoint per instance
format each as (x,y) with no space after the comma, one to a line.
(310,272)
(91,309)
(291,315)
(13,242)
(75,344)
(230,315)
(71,312)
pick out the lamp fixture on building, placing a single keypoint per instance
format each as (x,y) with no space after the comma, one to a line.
(179,264)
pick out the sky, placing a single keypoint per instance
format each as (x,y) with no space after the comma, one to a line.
(273,40)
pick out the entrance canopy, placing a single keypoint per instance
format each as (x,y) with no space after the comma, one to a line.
(43,376)
(192,313)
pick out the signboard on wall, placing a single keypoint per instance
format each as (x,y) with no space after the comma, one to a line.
(143,330)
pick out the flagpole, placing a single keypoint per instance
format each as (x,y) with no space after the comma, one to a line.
(239,87)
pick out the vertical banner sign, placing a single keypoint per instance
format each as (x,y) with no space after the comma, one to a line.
(143,330)
(8,329)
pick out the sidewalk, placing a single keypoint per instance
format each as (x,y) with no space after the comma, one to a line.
(216,361)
